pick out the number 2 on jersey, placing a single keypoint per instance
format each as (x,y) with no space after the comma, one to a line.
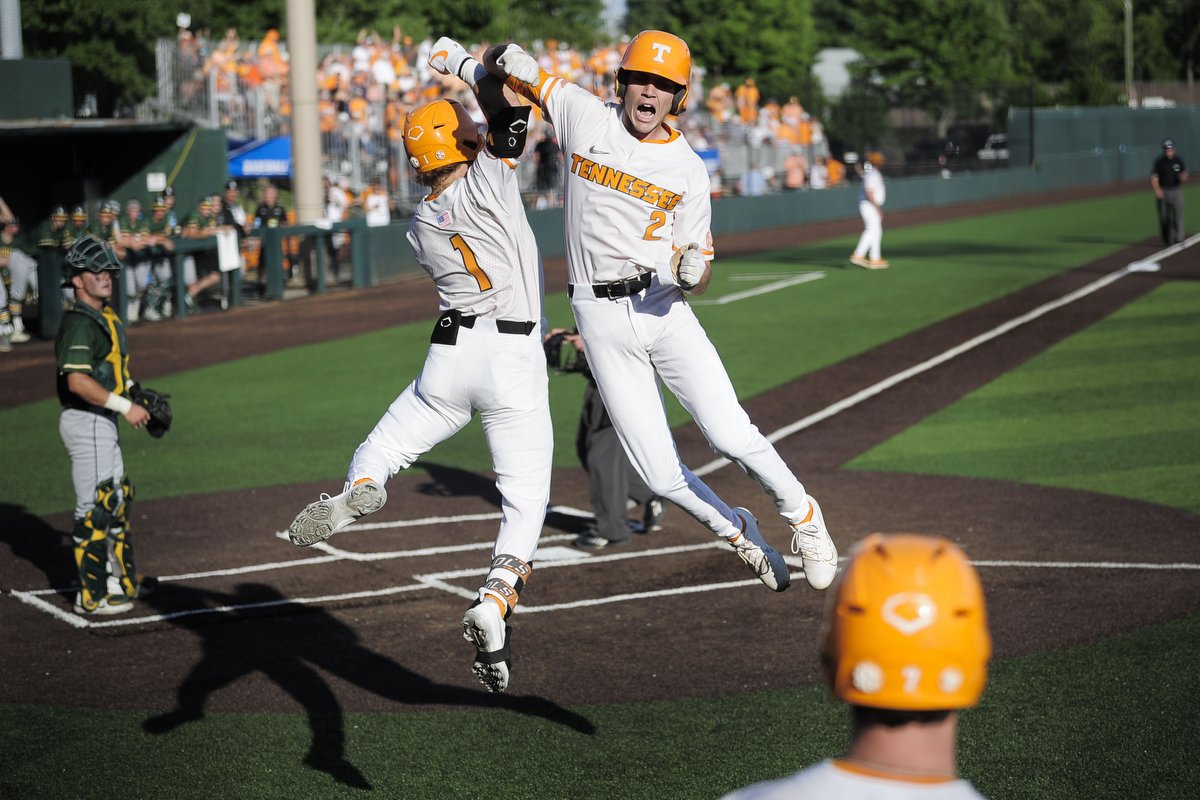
(657,220)
(468,257)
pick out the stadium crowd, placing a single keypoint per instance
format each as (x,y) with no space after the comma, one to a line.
(366,90)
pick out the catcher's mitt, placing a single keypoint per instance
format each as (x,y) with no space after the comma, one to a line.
(561,356)
(158,406)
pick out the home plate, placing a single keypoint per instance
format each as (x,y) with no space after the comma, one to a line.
(1144,266)
(558,554)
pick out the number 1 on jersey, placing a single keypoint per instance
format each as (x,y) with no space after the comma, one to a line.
(468,257)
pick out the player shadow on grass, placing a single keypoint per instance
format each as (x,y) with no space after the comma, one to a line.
(32,539)
(257,629)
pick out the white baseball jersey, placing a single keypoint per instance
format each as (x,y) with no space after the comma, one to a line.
(872,183)
(829,779)
(627,204)
(475,242)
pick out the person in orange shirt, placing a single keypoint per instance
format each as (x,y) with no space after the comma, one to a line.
(836,171)
(746,98)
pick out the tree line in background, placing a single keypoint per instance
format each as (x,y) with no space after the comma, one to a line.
(953,59)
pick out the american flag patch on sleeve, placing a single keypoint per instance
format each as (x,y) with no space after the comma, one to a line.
(444,220)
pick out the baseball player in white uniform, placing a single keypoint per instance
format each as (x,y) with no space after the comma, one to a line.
(906,645)
(637,216)
(871,196)
(471,235)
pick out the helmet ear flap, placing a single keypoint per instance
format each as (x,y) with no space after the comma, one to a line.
(678,103)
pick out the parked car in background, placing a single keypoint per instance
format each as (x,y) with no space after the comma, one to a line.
(994,149)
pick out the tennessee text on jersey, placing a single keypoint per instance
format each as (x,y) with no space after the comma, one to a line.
(625,183)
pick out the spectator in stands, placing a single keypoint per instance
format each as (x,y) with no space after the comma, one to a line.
(753,182)
(376,207)
(546,156)
(272,67)
(818,176)
(795,170)
(746,98)
(835,172)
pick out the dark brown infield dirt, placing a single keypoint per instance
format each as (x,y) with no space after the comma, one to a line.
(404,650)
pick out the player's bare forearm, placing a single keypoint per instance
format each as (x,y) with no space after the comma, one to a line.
(90,391)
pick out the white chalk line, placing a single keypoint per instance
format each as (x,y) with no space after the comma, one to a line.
(439,580)
(983,338)
(774,286)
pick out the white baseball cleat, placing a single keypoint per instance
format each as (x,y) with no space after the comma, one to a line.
(768,566)
(484,627)
(322,519)
(108,605)
(810,539)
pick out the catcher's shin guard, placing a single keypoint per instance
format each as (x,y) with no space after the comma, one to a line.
(121,566)
(91,548)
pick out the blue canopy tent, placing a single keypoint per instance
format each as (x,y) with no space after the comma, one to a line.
(261,158)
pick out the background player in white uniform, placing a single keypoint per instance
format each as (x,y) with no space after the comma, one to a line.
(906,645)
(637,196)
(871,196)
(471,235)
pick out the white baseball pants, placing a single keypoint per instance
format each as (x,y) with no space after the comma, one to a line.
(631,340)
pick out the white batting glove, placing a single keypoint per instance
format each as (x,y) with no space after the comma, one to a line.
(518,64)
(688,265)
(448,57)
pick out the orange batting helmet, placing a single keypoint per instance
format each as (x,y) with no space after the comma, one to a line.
(658,53)
(439,134)
(907,629)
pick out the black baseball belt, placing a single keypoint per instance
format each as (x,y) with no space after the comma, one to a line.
(445,330)
(615,290)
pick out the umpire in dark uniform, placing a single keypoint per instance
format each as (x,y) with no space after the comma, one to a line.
(612,480)
(1167,177)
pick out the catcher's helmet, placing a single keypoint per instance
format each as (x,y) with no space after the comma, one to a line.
(439,134)
(91,255)
(658,53)
(907,628)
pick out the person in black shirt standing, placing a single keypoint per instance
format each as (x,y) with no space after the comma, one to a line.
(269,214)
(1167,178)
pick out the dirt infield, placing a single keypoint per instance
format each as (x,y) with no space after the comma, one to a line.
(283,634)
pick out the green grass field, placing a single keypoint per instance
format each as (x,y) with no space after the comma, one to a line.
(1113,409)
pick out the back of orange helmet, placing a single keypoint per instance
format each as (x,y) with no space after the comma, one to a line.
(662,54)
(907,628)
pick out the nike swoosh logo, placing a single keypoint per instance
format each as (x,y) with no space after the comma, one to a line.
(597,151)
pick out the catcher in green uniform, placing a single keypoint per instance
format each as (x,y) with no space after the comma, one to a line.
(95,388)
